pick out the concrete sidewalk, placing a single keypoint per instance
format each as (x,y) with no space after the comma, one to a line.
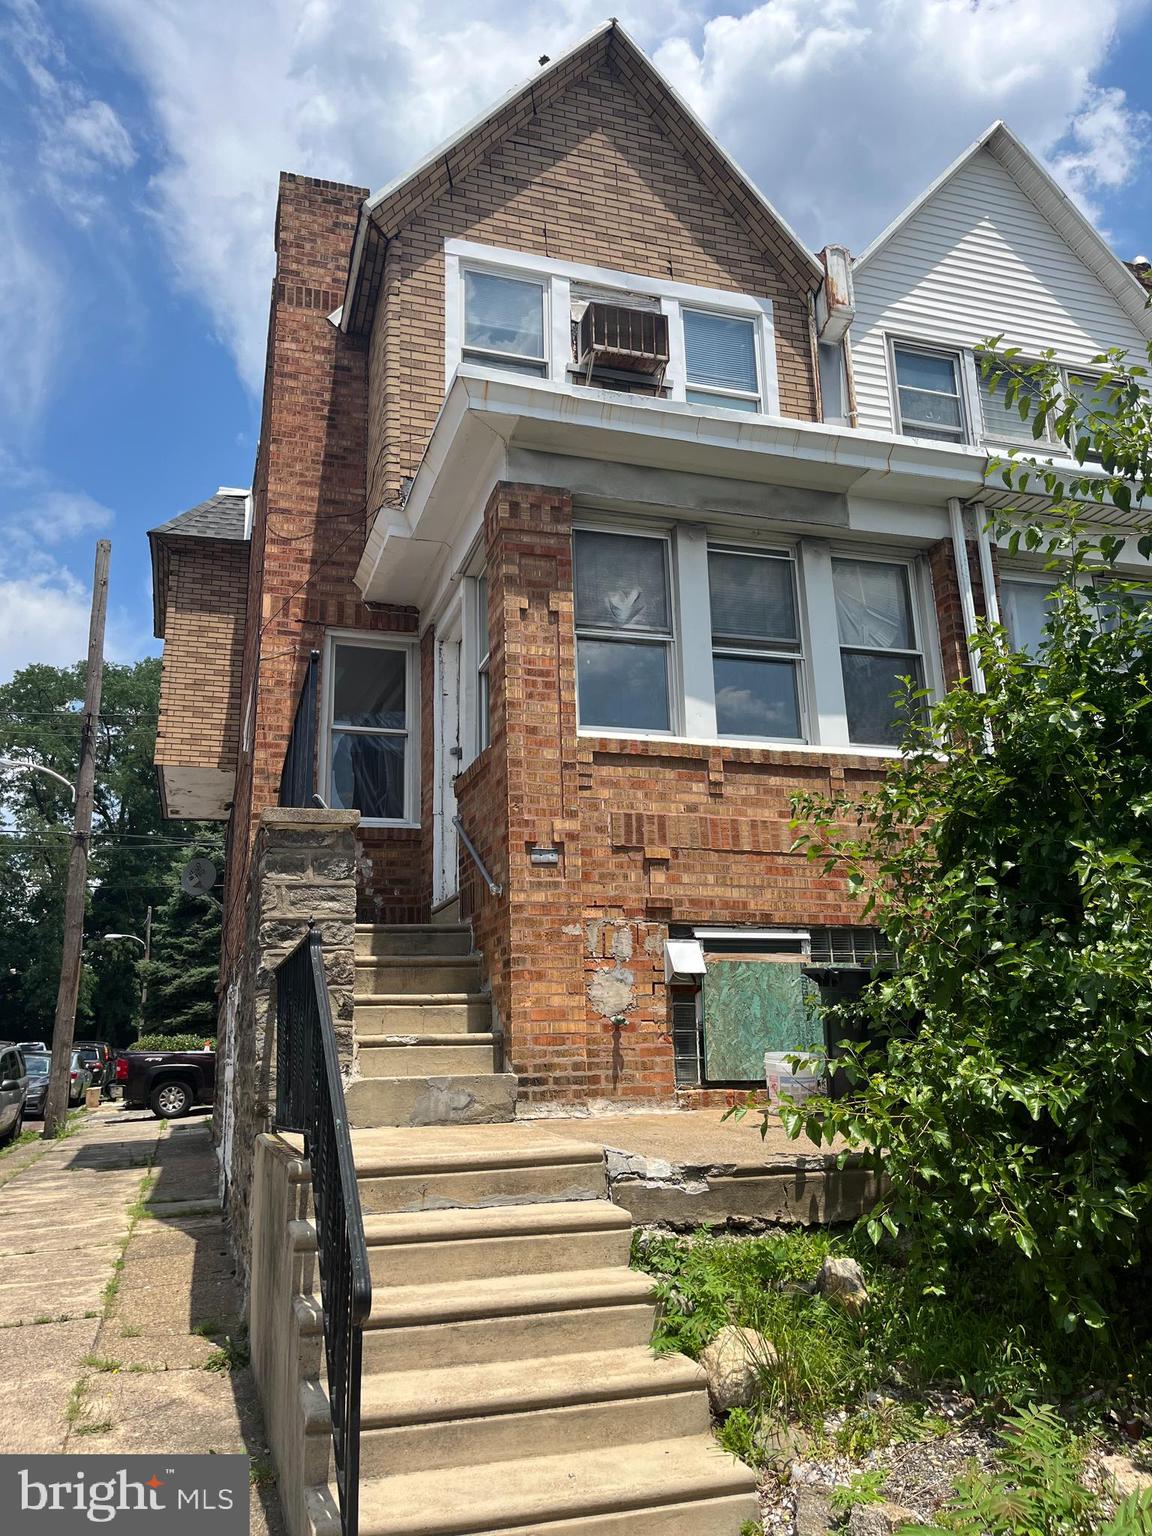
(119,1309)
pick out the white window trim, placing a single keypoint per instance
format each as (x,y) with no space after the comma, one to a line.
(487,359)
(410,645)
(925,634)
(892,340)
(691,677)
(670,642)
(800,656)
(558,276)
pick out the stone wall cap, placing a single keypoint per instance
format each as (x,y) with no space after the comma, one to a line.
(306,816)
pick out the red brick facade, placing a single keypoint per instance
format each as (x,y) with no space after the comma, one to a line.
(649,833)
(602,171)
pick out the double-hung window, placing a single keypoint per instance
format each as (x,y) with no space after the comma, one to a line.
(756,657)
(879,645)
(720,362)
(504,321)
(1002,420)
(928,393)
(1027,604)
(483,687)
(623,631)
(367,729)
(1093,399)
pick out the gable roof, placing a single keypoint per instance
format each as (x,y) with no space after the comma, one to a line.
(1053,203)
(222,518)
(382,215)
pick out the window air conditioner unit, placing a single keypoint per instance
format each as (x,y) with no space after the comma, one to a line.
(632,340)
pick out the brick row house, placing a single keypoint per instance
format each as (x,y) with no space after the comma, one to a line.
(594,518)
(611,515)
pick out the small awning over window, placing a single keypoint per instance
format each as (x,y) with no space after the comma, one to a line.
(683,958)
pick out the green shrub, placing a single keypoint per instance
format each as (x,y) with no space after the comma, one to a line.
(173,1043)
(1035,1489)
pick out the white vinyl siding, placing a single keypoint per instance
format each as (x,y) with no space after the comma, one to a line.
(977,260)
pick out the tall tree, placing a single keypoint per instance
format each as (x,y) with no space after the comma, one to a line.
(181,976)
(133,848)
(1005,1089)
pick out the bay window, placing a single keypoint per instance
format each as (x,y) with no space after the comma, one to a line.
(755,644)
(679,633)
(623,631)
(369,694)
(720,361)
(876,625)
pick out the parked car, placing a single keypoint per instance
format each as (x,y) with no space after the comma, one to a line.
(38,1065)
(33,1045)
(97,1054)
(169,1083)
(79,1080)
(13,1090)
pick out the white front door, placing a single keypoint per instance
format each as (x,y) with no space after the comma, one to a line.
(449,760)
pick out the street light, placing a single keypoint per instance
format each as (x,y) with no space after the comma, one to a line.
(145,944)
(17,766)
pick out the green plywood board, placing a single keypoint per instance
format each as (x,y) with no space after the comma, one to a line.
(753,1006)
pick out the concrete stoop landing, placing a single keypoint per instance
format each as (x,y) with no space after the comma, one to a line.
(508,1385)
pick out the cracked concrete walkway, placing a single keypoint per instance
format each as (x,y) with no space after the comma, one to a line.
(119,1308)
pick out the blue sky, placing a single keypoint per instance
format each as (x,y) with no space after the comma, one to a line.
(143,139)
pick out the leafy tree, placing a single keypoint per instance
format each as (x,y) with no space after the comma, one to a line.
(133,848)
(181,976)
(1005,1089)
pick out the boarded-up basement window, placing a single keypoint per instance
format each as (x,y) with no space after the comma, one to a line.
(753,1004)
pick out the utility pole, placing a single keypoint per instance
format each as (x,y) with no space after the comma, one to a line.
(56,1102)
(147,957)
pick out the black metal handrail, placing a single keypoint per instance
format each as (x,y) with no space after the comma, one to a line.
(310,1099)
(298,775)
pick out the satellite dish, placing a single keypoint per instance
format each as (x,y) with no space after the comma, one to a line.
(198,877)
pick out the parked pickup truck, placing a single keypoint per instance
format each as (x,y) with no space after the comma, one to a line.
(169,1083)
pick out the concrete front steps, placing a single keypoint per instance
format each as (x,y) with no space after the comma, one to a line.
(508,1386)
(425,1050)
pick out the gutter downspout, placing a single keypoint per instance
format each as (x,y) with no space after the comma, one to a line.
(987,572)
(964,582)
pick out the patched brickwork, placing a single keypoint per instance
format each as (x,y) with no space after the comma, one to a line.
(597,174)
(199,723)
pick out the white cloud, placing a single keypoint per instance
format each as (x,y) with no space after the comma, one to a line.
(31,312)
(841,110)
(44,618)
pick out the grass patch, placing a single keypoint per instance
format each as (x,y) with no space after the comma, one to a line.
(130,1330)
(99,1428)
(101,1363)
(993,1343)
(232,1355)
(261,1473)
(209,1328)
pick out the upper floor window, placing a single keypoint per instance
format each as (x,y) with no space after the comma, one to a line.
(623,630)
(529,314)
(720,361)
(504,321)
(680,635)
(928,392)
(369,689)
(1002,420)
(876,622)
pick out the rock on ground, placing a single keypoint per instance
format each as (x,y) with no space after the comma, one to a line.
(842,1280)
(733,1363)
